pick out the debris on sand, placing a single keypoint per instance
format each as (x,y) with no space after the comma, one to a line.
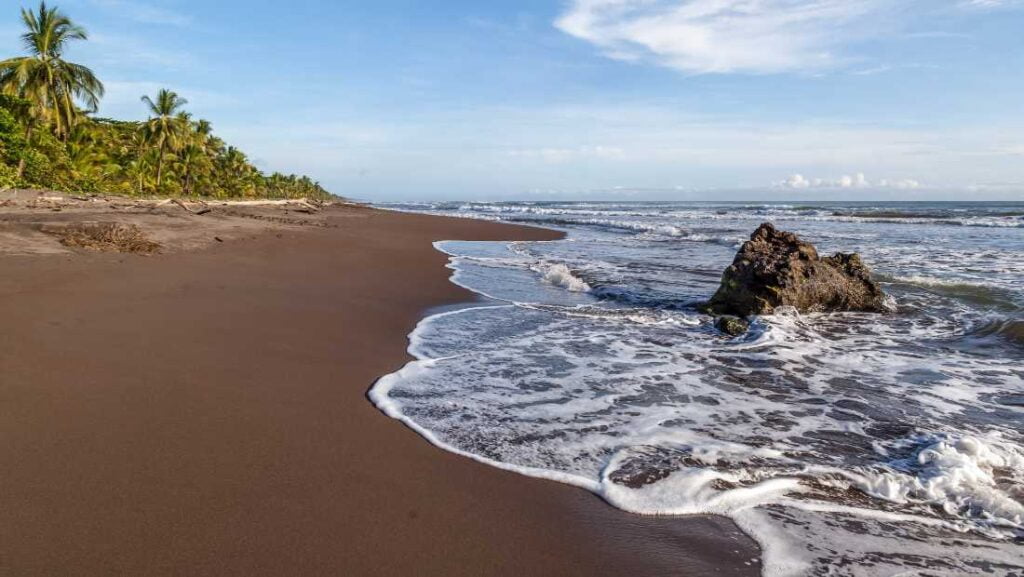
(105,237)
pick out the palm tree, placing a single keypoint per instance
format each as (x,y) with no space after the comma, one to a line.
(166,126)
(86,156)
(203,130)
(237,172)
(196,155)
(53,86)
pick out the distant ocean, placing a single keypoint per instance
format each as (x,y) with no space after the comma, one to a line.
(849,444)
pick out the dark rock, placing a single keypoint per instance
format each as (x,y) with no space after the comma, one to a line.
(732,326)
(777,269)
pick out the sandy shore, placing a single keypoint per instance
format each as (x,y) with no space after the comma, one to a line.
(203,412)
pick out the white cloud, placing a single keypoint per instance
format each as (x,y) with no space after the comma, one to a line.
(858,180)
(564,155)
(902,184)
(745,36)
(1009,150)
(989,3)
(797,181)
(709,36)
(145,13)
(119,50)
(123,98)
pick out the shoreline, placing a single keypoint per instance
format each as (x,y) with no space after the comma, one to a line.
(204,412)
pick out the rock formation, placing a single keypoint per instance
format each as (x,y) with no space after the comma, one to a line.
(777,269)
(732,326)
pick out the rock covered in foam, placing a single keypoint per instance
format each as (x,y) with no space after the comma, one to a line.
(732,326)
(777,269)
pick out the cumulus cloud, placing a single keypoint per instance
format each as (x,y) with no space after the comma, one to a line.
(858,180)
(741,36)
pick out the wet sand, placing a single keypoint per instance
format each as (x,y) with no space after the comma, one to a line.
(203,412)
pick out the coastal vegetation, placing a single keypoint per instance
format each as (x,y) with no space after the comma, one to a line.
(51,138)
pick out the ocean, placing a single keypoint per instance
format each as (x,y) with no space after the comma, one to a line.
(845,444)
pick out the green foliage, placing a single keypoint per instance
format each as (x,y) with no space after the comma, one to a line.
(12,137)
(52,85)
(8,176)
(49,140)
(109,156)
(38,171)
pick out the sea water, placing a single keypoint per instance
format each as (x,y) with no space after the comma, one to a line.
(845,444)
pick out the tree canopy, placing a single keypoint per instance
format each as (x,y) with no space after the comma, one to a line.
(51,138)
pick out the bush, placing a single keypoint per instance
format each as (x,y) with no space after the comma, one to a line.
(8,176)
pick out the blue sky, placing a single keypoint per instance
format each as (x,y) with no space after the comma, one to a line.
(596,99)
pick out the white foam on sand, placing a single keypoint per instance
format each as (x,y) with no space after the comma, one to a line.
(379,395)
(579,394)
(959,474)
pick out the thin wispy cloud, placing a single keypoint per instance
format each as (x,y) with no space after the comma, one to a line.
(990,3)
(566,155)
(121,50)
(123,97)
(722,36)
(144,12)
(742,36)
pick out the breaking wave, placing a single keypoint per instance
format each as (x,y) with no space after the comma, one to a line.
(560,275)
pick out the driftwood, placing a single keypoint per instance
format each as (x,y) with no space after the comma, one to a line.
(284,202)
(196,207)
(200,212)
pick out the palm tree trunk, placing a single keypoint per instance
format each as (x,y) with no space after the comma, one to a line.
(160,167)
(21,161)
(186,181)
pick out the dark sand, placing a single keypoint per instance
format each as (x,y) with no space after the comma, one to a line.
(203,413)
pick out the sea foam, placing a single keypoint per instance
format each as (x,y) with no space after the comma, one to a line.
(844,444)
(560,275)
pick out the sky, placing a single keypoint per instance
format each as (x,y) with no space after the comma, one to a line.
(586,99)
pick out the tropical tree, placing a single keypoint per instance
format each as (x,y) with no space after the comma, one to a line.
(235,173)
(52,86)
(166,127)
(86,157)
(50,138)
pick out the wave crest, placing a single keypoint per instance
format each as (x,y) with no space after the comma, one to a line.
(561,276)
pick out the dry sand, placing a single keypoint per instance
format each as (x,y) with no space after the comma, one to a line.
(202,412)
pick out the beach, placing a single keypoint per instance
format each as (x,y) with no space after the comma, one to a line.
(203,412)
(631,288)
